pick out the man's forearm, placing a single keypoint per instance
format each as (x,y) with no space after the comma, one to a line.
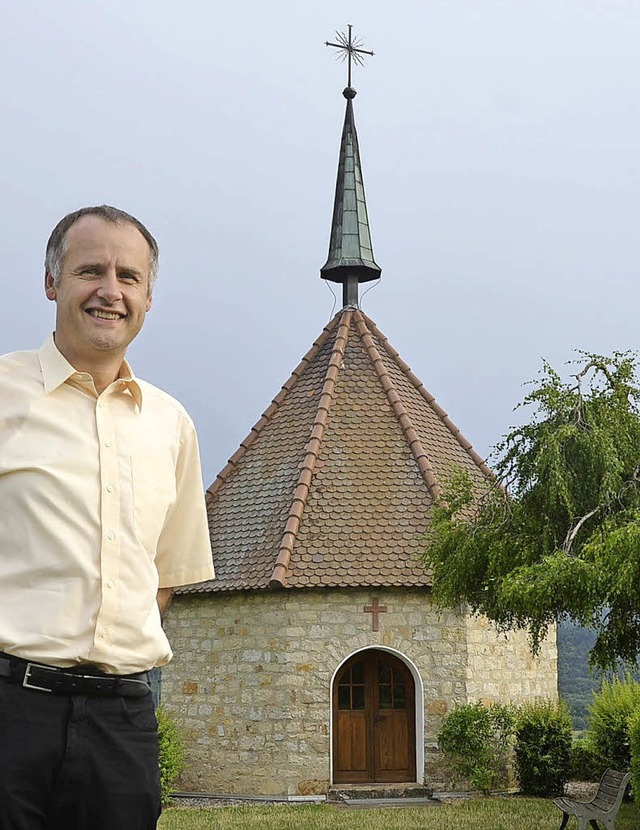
(163,598)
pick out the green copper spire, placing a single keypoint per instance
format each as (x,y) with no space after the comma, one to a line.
(350,259)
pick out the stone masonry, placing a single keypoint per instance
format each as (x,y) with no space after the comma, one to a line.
(250,683)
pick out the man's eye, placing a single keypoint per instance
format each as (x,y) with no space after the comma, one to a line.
(129,277)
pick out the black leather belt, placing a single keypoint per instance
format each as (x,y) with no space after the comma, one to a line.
(72,681)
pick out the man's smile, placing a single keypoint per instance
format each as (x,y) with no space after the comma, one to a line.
(103,314)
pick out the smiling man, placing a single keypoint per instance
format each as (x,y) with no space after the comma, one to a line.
(102,516)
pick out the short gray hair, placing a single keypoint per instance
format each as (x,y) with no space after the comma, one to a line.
(57,244)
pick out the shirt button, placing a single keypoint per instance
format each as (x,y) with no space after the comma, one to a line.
(111,535)
(110,583)
(107,443)
(109,488)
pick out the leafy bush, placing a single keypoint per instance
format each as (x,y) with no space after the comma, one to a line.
(543,747)
(608,721)
(171,753)
(634,742)
(586,761)
(475,741)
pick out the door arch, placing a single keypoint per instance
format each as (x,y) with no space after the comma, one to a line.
(374,736)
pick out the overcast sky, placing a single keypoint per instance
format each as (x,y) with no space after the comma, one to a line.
(499,141)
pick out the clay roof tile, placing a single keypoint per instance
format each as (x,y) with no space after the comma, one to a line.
(333,485)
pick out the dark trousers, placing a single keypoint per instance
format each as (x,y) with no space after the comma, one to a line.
(76,762)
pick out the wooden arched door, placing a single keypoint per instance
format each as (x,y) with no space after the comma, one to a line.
(374,736)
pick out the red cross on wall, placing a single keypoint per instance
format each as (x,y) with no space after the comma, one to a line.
(375,610)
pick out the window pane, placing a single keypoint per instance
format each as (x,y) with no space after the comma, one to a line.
(399,696)
(358,697)
(384,697)
(384,672)
(344,698)
(357,672)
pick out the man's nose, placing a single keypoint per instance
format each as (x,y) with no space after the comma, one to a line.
(109,288)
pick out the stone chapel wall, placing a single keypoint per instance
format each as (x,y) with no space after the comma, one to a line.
(504,669)
(250,683)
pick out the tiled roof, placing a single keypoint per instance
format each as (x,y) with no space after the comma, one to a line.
(333,486)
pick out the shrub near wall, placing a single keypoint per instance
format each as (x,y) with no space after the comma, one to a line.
(475,742)
(634,745)
(170,753)
(586,761)
(609,718)
(543,747)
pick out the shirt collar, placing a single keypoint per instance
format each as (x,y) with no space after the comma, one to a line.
(56,369)
(126,375)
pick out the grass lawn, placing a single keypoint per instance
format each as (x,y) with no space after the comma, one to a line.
(472,814)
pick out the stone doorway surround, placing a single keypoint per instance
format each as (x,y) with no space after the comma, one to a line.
(418,705)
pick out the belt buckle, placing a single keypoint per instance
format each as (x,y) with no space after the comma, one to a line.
(27,675)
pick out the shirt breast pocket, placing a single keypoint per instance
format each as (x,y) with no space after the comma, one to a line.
(154,492)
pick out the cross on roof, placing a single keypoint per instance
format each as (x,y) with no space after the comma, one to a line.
(350,49)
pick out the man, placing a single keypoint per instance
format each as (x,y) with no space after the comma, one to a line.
(101,514)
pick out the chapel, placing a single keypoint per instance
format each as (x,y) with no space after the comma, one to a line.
(317,659)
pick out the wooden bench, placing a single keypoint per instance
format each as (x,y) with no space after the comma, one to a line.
(603,806)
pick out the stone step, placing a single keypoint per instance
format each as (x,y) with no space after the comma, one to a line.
(378,792)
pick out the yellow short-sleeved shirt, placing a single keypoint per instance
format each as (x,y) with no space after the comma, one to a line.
(101,504)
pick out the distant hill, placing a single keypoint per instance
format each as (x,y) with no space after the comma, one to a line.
(576,682)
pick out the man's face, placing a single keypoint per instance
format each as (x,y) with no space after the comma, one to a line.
(102,295)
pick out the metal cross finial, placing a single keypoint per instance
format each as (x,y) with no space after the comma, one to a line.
(350,49)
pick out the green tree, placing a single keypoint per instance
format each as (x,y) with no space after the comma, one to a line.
(557,533)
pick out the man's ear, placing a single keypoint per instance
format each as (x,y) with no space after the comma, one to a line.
(149,301)
(49,286)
